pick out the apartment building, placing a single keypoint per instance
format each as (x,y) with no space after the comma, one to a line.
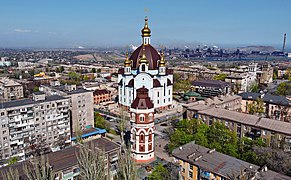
(275,107)
(197,162)
(30,125)
(81,104)
(102,96)
(211,88)
(10,90)
(245,125)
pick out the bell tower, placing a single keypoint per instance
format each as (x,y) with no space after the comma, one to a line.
(146,33)
(142,127)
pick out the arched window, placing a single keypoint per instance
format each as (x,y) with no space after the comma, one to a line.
(141,137)
(143,67)
(141,118)
(150,136)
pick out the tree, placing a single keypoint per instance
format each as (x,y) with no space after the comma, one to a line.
(100,122)
(10,174)
(284,89)
(39,170)
(91,163)
(93,70)
(160,173)
(12,160)
(254,87)
(35,89)
(126,165)
(220,77)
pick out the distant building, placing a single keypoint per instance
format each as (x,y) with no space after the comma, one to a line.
(265,76)
(275,107)
(10,90)
(211,88)
(102,96)
(29,125)
(81,104)
(197,162)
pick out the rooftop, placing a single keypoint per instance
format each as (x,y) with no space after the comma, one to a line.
(218,163)
(24,102)
(210,83)
(268,98)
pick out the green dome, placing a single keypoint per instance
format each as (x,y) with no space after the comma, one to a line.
(192,94)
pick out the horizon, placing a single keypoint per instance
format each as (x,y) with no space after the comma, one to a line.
(54,24)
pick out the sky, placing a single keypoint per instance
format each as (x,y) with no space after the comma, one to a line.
(99,23)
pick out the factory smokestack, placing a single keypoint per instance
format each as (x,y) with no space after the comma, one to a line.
(284,43)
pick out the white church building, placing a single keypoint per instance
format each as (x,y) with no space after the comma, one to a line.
(146,67)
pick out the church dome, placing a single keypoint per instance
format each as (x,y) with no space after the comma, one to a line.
(151,54)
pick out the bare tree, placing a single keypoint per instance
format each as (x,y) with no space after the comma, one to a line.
(40,169)
(10,174)
(126,166)
(92,163)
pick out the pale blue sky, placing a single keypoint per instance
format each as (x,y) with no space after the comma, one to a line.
(70,23)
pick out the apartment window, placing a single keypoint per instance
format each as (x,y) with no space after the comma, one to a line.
(4,132)
(4,138)
(190,174)
(2,113)
(191,166)
(4,125)
(158,94)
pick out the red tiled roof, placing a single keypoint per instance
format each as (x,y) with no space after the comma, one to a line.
(142,100)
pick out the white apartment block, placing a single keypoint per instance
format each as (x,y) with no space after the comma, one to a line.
(31,125)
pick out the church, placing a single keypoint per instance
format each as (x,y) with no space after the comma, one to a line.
(146,67)
(145,85)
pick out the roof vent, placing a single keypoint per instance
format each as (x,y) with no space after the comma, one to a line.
(211,151)
(180,147)
(199,157)
(191,155)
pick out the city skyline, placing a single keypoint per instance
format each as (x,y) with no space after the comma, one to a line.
(56,24)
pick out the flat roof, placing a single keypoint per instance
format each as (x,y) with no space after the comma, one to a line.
(24,102)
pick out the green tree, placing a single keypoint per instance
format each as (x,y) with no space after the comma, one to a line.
(74,76)
(12,160)
(35,89)
(275,73)
(220,77)
(160,173)
(93,70)
(284,89)
(100,122)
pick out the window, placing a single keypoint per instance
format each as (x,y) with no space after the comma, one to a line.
(190,174)
(141,137)
(143,67)
(191,166)
(158,94)
(141,118)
